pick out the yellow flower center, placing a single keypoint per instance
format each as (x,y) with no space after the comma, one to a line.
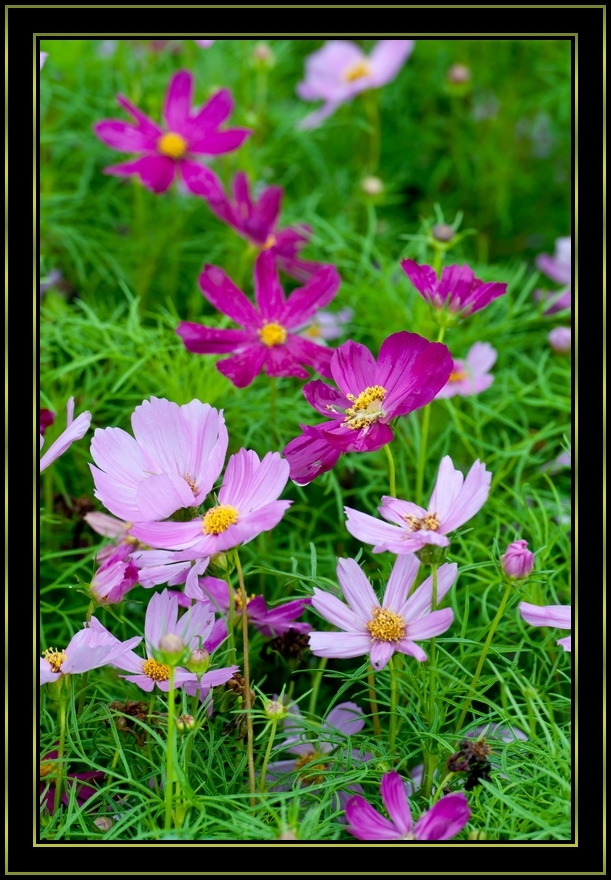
(457,376)
(314,331)
(237,598)
(218,519)
(270,241)
(366,409)
(387,626)
(357,71)
(272,334)
(46,769)
(430,522)
(54,658)
(172,145)
(155,670)
(314,775)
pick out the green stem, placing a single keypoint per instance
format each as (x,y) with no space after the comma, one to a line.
(273,398)
(480,665)
(230,624)
(247,693)
(424,435)
(375,717)
(430,759)
(169,776)
(64,685)
(391,472)
(392,724)
(316,682)
(373,114)
(268,752)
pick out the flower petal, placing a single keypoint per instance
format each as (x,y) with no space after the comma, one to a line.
(445,819)
(223,294)
(342,645)
(394,795)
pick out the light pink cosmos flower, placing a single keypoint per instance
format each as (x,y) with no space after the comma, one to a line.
(171,462)
(328,325)
(192,628)
(267,340)
(408,374)
(559,268)
(381,628)
(115,577)
(205,44)
(455,500)
(257,221)
(76,428)
(458,291)
(247,505)
(90,648)
(560,339)
(444,820)
(340,70)
(549,615)
(471,376)
(169,151)
(43,58)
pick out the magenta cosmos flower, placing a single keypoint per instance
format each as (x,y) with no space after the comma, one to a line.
(458,291)
(247,505)
(381,628)
(257,222)
(90,648)
(408,374)
(443,821)
(340,70)
(266,342)
(76,428)
(193,628)
(171,462)
(559,268)
(549,615)
(471,376)
(455,500)
(170,151)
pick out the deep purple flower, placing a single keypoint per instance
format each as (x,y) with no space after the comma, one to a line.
(169,152)
(408,374)
(75,429)
(78,781)
(257,221)
(340,70)
(267,341)
(378,629)
(458,291)
(549,615)
(559,268)
(518,561)
(471,376)
(455,499)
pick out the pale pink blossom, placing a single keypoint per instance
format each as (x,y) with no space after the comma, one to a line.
(549,615)
(472,375)
(76,428)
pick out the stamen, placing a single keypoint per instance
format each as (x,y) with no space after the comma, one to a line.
(190,482)
(430,521)
(357,71)
(155,670)
(367,408)
(457,376)
(314,775)
(172,145)
(218,519)
(55,658)
(387,626)
(270,241)
(272,334)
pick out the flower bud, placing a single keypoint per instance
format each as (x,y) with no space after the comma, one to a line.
(372,186)
(443,232)
(275,710)
(185,722)
(458,74)
(221,565)
(263,56)
(560,339)
(199,661)
(431,554)
(104,823)
(171,650)
(518,561)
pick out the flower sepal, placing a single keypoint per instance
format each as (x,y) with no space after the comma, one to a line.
(431,554)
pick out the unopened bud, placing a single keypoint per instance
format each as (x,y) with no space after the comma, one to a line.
(443,232)
(431,554)
(263,56)
(275,710)
(458,74)
(185,722)
(518,561)
(171,650)
(372,186)
(287,834)
(104,823)
(221,564)
(477,835)
(199,661)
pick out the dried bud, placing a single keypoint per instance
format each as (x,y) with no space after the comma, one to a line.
(104,823)
(518,561)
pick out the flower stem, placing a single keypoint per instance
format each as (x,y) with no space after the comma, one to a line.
(392,722)
(424,435)
(430,758)
(64,686)
(484,653)
(370,98)
(268,752)
(391,472)
(375,717)
(247,693)
(316,681)
(169,776)
(230,623)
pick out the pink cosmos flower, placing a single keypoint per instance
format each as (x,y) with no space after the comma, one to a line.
(328,325)
(444,820)
(518,561)
(455,500)
(115,577)
(408,374)
(257,222)
(79,781)
(266,342)
(471,376)
(192,628)
(558,268)
(458,291)
(169,152)
(381,628)
(171,462)
(340,70)
(90,648)
(247,505)
(76,428)
(43,58)
(549,615)
(205,44)
(560,339)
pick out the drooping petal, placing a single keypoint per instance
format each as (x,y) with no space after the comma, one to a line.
(309,455)
(156,172)
(380,653)
(280,361)
(244,367)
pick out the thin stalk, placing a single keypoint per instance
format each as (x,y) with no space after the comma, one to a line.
(230,623)
(268,752)
(316,681)
(375,717)
(59,777)
(391,472)
(424,435)
(480,665)
(392,723)
(169,776)
(247,701)
(430,759)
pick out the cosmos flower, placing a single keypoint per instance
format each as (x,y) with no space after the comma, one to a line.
(378,629)
(267,341)
(446,818)
(328,325)
(76,428)
(549,615)
(247,505)
(43,58)
(457,292)
(408,374)
(79,781)
(257,222)
(340,70)
(559,268)
(560,339)
(518,561)
(171,462)
(90,648)
(115,577)
(471,376)
(171,151)
(455,500)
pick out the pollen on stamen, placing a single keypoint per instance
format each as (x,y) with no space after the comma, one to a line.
(54,658)
(272,334)
(386,625)
(190,483)
(172,145)
(270,241)
(155,670)
(430,522)
(366,408)
(357,71)
(218,519)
